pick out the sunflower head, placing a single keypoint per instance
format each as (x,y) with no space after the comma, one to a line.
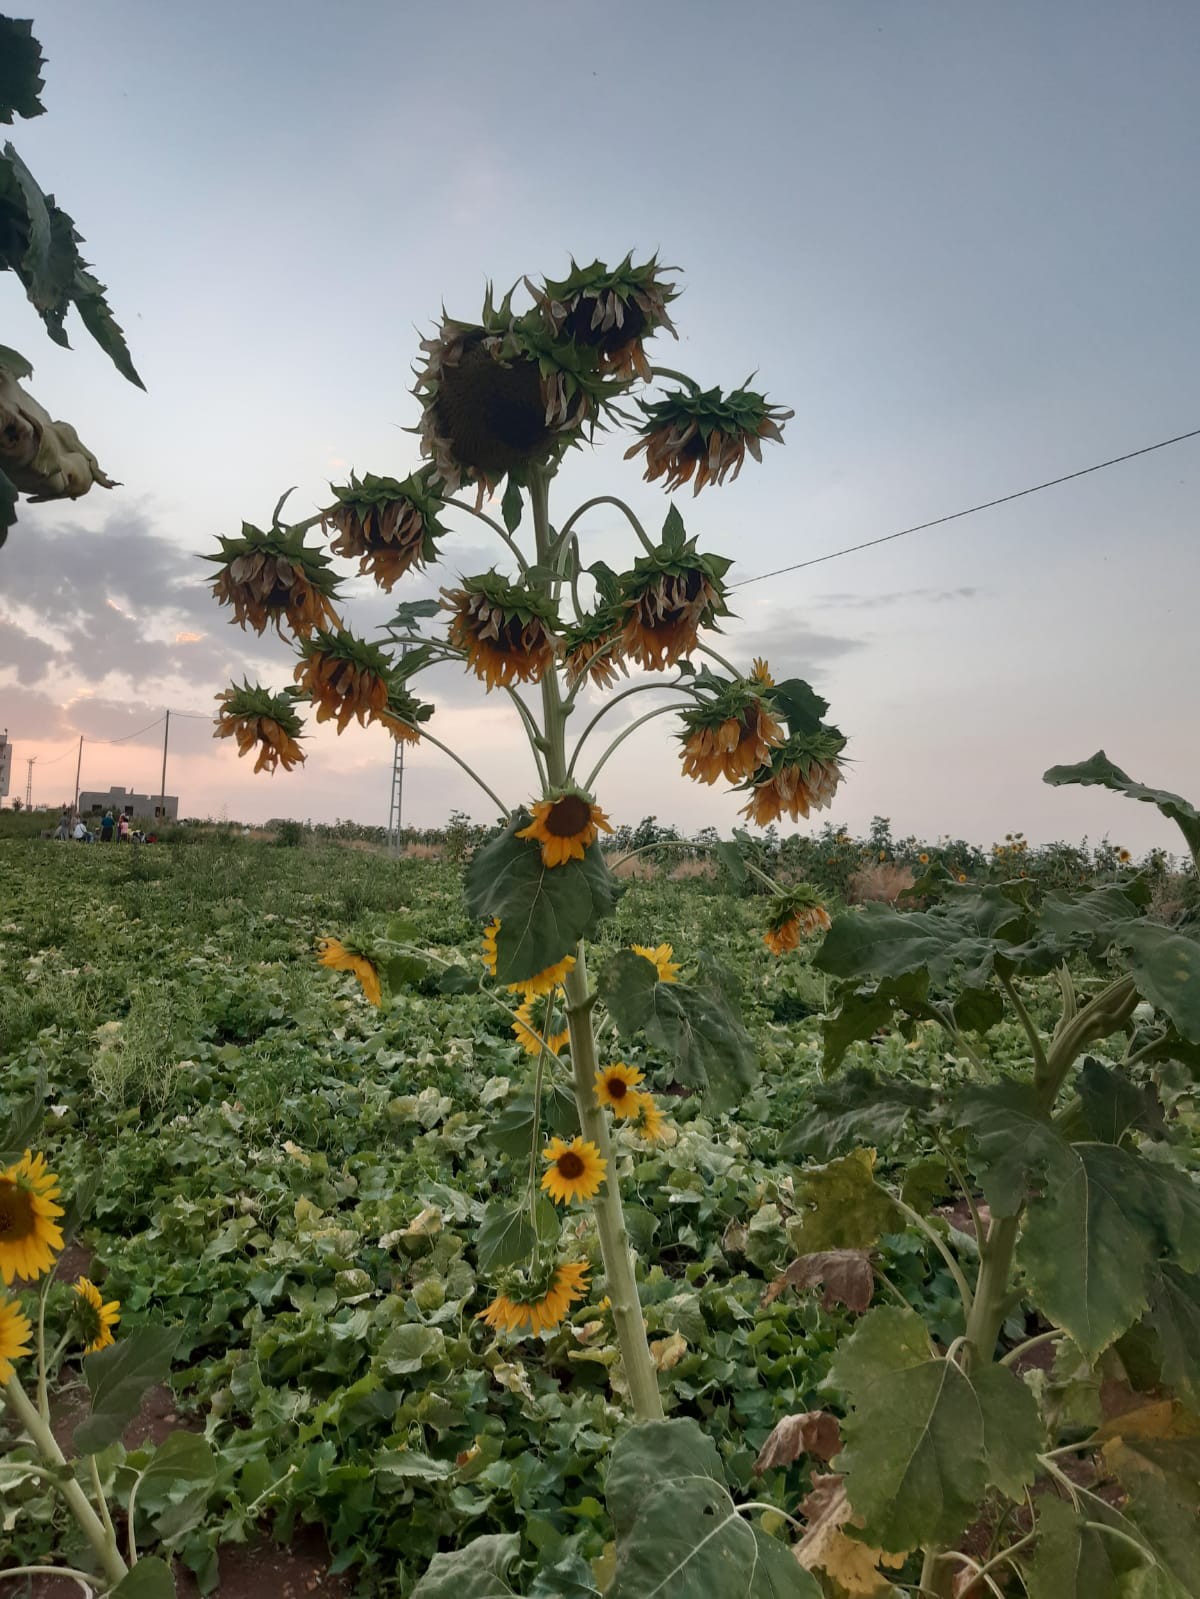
(593,645)
(703,436)
(662,958)
(344,677)
(505,631)
(565,824)
(346,955)
(29,1235)
(610,310)
(669,596)
(761,672)
(792,916)
(273,577)
(502,394)
(93,1319)
(729,731)
(574,1170)
(649,1122)
(15,1333)
(535,1028)
(616,1087)
(802,775)
(535,1298)
(260,720)
(389,527)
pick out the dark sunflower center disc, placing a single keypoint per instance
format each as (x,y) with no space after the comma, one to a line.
(578,326)
(570,1165)
(617,1088)
(568,816)
(16,1213)
(494,416)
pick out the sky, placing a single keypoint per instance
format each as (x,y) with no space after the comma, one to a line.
(960,240)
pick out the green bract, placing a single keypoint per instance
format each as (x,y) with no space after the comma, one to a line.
(611,310)
(388,526)
(272,576)
(689,434)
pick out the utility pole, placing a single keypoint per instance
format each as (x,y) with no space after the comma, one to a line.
(394,807)
(78,765)
(162,792)
(29,760)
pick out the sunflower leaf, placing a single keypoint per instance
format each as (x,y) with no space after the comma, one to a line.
(24,1120)
(512,505)
(1165,966)
(841,1206)
(150,1579)
(1099,770)
(118,1378)
(1175,1316)
(1072,1560)
(859,1108)
(21,63)
(476,1572)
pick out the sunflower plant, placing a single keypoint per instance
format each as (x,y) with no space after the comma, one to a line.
(45,1326)
(556,631)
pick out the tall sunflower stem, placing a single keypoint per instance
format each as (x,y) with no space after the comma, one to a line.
(615,1250)
(620,1279)
(90,1524)
(43,1380)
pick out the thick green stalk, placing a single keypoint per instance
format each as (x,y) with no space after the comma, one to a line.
(89,1522)
(610,1217)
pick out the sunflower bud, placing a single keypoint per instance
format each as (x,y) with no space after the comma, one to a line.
(705,435)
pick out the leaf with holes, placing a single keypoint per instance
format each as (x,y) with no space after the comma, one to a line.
(841,1206)
(844,1276)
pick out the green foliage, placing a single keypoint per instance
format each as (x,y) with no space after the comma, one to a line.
(117,1379)
(21,63)
(1100,770)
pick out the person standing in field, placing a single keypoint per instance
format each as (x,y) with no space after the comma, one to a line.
(122,829)
(106,828)
(64,825)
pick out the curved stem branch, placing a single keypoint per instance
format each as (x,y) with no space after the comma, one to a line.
(706,649)
(470,771)
(626,693)
(532,733)
(602,499)
(663,710)
(672,376)
(1026,1021)
(501,533)
(942,1248)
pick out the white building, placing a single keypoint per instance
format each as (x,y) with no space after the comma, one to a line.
(121,801)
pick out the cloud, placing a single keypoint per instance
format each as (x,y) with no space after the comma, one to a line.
(871,602)
(791,647)
(29,656)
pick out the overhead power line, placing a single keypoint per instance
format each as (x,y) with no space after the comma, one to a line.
(955,516)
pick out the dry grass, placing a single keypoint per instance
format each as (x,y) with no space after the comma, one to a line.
(693,868)
(638,870)
(423,852)
(879,881)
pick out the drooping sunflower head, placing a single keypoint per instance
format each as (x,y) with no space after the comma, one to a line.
(256,718)
(535,1298)
(729,731)
(704,436)
(502,394)
(538,1025)
(541,983)
(594,645)
(273,577)
(792,916)
(802,775)
(505,631)
(389,527)
(93,1319)
(611,310)
(761,672)
(669,596)
(565,824)
(616,1087)
(29,1236)
(15,1333)
(573,1171)
(346,955)
(344,677)
(662,958)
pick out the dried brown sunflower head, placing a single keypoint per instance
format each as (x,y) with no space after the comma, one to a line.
(273,577)
(802,773)
(795,915)
(704,436)
(505,631)
(730,731)
(344,677)
(389,527)
(257,718)
(669,596)
(593,645)
(503,394)
(610,310)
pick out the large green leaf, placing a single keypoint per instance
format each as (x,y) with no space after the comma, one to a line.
(21,63)
(1013,1431)
(1085,921)
(962,934)
(1090,1240)
(1165,965)
(1175,1316)
(1072,1560)
(1112,1104)
(506,1234)
(696,1028)
(679,1532)
(150,1579)
(914,1456)
(864,1010)
(1100,770)
(841,1206)
(544,911)
(1012,1141)
(476,1572)
(1162,1477)
(859,1108)
(118,1377)
(512,1130)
